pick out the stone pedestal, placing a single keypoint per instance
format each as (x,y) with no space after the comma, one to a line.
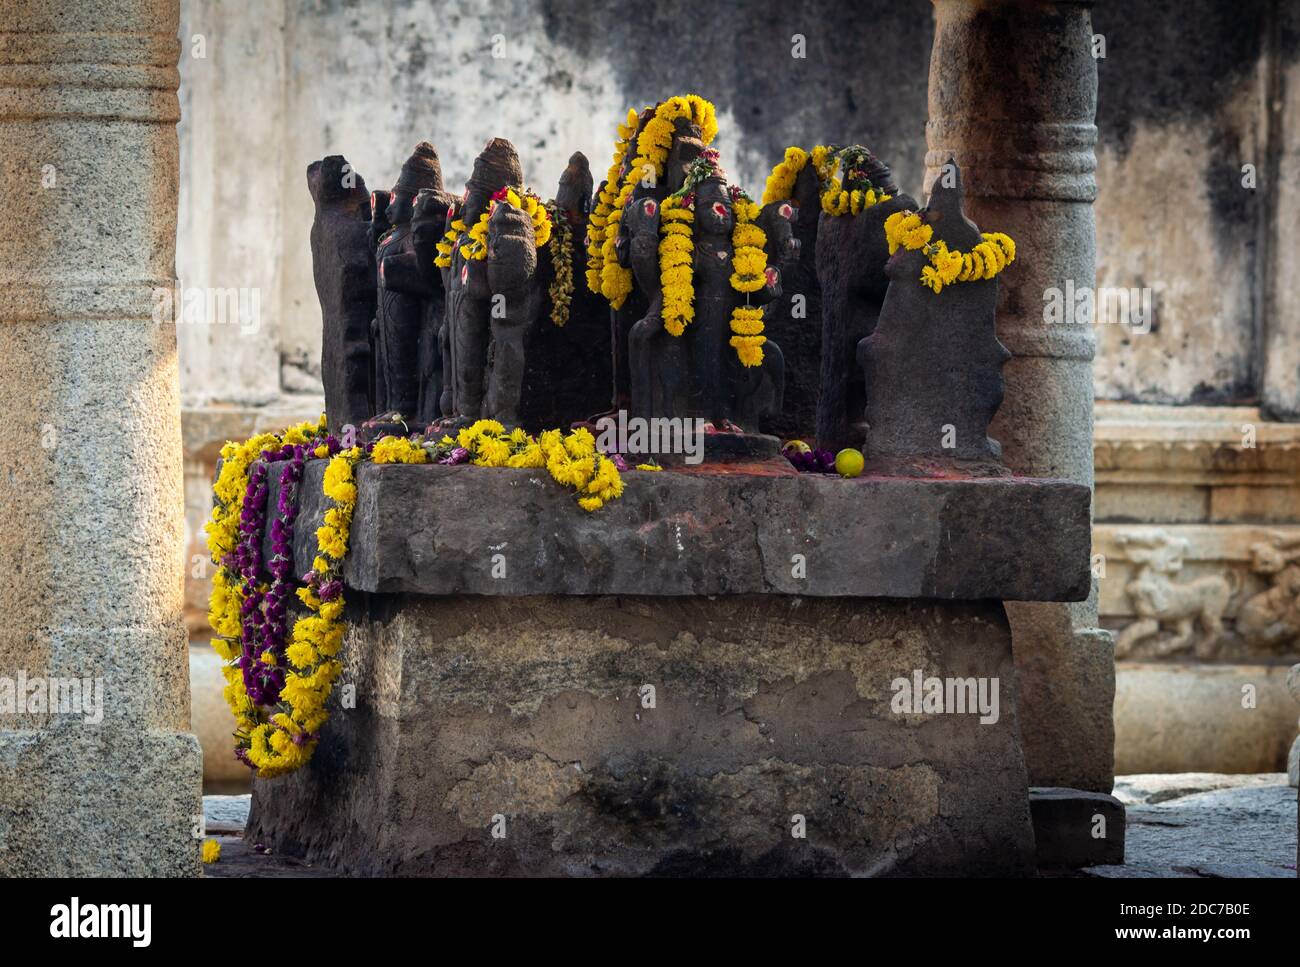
(704,677)
(659,736)
(1024,140)
(91,493)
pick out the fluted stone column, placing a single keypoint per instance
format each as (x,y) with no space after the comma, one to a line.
(1013,97)
(90,491)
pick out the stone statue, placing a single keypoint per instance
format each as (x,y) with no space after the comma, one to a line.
(428,224)
(343,269)
(469,300)
(794,319)
(1195,608)
(569,360)
(851,253)
(516,304)
(697,373)
(404,287)
(932,365)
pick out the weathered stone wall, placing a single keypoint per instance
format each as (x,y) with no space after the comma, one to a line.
(599,736)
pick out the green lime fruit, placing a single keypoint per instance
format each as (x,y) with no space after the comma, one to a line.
(848,463)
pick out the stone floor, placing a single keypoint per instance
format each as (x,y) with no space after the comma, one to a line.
(1190,824)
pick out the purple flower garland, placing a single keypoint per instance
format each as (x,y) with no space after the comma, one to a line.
(264,615)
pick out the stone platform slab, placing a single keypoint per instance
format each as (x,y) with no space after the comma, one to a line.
(661,736)
(733,529)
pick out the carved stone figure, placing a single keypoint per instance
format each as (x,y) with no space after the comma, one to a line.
(569,360)
(1272,617)
(851,254)
(1194,608)
(428,224)
(343,269)
(469,298)
(698,373)
(932,364)
(516,306)
(404,286)
(794,319)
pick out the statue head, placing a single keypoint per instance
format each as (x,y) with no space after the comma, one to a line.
(431,208)
(429,217)
(945,213)
(688,145)
(512,247)
(713,210)
(332,180)
(777,220)
(496,167)
(574,194)
(421,170)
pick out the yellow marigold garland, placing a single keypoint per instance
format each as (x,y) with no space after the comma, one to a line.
(526,201)
(652,144)
(279,739)
(985,261)
(677,264)
(605,202)
(749,262)
(780,183)
(448,244)
(836,201)
(834,197)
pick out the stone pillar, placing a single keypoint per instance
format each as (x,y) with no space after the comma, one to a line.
(90,493)
(1013,96)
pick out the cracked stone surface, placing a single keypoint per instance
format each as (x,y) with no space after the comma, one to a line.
(1207,825)
(658,736)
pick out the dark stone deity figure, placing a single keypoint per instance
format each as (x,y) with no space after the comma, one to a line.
(569,360)
(343,269)
(428,224)
(405,285)
(851,252)
(933,362)
(476,391)
(794,319)
(697,373)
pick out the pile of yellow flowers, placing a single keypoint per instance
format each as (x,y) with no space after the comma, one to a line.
(653,142)
(571,459)
(677,264)
(985,261)
(749,262)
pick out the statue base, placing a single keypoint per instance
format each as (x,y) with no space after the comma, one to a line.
(731,669)
(624,736)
